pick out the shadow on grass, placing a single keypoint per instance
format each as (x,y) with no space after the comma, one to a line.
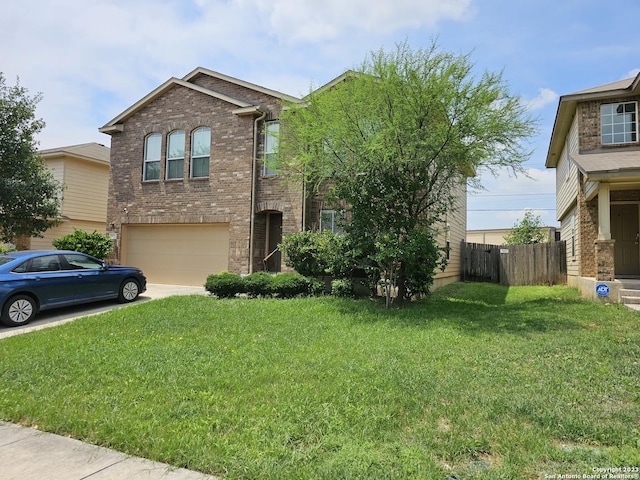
(477,309)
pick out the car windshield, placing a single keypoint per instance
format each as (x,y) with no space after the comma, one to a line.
(5,259)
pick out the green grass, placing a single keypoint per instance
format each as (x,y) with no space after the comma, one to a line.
(478,382)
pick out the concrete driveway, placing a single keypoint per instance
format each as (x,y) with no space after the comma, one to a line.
(51,318)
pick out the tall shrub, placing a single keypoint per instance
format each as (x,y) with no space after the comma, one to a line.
(95,244)
(314,254)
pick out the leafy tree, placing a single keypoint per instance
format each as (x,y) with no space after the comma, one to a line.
(28,192)
(396,141)
(96,244)
(528,230)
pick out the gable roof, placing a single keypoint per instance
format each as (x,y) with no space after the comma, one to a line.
(115,125)
(252,86)
(335,81)
(567,109)
(85,151)
(242,107)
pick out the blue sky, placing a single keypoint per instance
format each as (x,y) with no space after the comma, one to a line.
(92,60)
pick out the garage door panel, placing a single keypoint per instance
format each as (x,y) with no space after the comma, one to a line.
(177,254)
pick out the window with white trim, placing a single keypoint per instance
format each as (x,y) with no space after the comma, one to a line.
(152,145)
(175,155)
(200,152)
(618,123)
(271,133)
(331,220)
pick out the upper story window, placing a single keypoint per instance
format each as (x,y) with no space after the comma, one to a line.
(331,220)
(200,152)
(152,146)
(272,131)
(618,123)
(175,154)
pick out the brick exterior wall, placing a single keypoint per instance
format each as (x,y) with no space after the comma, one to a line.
(224,197)
(588,233)
(625,196)
(604,259)
(589,123)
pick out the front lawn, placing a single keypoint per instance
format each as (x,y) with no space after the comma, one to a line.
(477,382)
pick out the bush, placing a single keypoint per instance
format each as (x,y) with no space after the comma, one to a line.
(259,284)
(225,285)
(263,284)
(316,254)
(95,244)
(305,252)
(316,287)
(289,285)
(4,248)
(342,287)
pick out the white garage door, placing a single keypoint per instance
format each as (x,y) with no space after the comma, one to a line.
(177,254)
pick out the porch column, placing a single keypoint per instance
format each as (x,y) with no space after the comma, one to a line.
(604,212)
(605,261)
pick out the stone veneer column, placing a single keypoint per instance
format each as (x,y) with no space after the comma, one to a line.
(605,266)
(588,233)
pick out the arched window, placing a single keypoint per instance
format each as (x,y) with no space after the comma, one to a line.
(200,152)
(175,154)
(152,144)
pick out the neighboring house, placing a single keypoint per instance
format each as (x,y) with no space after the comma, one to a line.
(595,151)
(192,189)
(83,171)
(495,236)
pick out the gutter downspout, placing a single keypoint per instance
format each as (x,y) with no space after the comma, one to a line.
(253,187)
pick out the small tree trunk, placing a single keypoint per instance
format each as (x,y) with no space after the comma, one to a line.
(401,281)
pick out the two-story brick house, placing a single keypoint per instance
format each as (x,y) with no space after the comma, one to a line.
(595,151)
(192,190)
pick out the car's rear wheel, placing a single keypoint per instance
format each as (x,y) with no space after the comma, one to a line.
(19,310)
(129,291)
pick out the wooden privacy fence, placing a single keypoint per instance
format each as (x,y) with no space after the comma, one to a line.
(535,264)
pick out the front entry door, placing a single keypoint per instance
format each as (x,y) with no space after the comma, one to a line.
(624,230)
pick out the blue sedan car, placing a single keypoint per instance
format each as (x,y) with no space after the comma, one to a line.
(31,281)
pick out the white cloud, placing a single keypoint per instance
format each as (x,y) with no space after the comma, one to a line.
(313,21)
(544,98)
(91,60)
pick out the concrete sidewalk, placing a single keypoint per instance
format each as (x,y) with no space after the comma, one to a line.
(29,454)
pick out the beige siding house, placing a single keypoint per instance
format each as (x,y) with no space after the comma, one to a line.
(495,236)
(83,171)
(595,150)
(453,233)
(192,191)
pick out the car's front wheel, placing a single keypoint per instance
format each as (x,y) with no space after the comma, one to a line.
(18,310)
(129,291)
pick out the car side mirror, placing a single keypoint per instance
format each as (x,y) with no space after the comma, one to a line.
(104,266)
